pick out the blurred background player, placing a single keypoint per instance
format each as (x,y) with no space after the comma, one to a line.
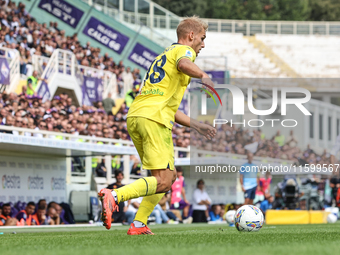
(178,197)
(263,189)
(119,216)
(150,120)
(249,179)
(334,182)
(5,218)
(26,215)
(201,203)
(40,217)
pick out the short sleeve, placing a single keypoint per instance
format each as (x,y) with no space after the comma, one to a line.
(29,81)
(185,52)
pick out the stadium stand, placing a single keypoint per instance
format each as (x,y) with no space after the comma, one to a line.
(244,60)
(309,55)
(23,34)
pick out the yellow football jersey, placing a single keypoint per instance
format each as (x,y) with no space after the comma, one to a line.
(163,87)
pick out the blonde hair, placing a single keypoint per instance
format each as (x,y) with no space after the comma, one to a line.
(189,24)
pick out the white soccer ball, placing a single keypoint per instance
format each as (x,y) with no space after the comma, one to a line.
(229,216)
(331,218)
(248,218)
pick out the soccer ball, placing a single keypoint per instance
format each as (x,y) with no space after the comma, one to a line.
(248,218)
(229,216)
(331,218)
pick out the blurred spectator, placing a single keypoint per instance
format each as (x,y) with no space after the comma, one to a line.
(279,139)
(40,218)
(32,83)
(132,209)
(26,215)
(59,211)
(249,179)
(178,197)
(119,216)
(101,169)
(172,214)
(291,140)
(52,213)
(215,212)
(5,218)
(42,204)
(334,184)
(130,95)
(201,202)
(263,189)
(108,103)
(267,204)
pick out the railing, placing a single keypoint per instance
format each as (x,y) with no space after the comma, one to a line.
(65,136)
(109,79)
(39,63)
(14,66)
(156,17)
(252,27)
(65,62)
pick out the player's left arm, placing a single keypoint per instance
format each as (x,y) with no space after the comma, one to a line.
(206,130)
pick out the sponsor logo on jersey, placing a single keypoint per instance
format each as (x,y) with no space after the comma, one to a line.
(152,92)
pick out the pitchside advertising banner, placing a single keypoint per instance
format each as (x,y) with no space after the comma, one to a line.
(142,56)
(4,72)
(105,35)
(64,11)
(28,179)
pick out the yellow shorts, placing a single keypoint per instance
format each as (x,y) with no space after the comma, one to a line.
(153,142)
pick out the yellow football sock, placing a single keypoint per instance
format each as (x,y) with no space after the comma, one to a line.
(147,206)
(142,187)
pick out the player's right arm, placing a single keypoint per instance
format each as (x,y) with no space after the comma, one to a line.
(189,68)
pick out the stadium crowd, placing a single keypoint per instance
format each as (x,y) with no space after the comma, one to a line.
(23,34)
(233,139)
(61,115)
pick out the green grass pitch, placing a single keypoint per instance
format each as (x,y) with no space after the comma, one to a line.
(174,239)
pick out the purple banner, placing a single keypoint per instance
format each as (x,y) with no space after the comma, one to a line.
(43,90)
(142,56)
(4,72)
(64,11)
(92,90)
(105,35)
(217,76)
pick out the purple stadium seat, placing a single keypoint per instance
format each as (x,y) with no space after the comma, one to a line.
(18,205)
(62,217)
(14,211)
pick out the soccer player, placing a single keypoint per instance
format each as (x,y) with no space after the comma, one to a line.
(26,214)
(150,120)
(5,218)
(249,179)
